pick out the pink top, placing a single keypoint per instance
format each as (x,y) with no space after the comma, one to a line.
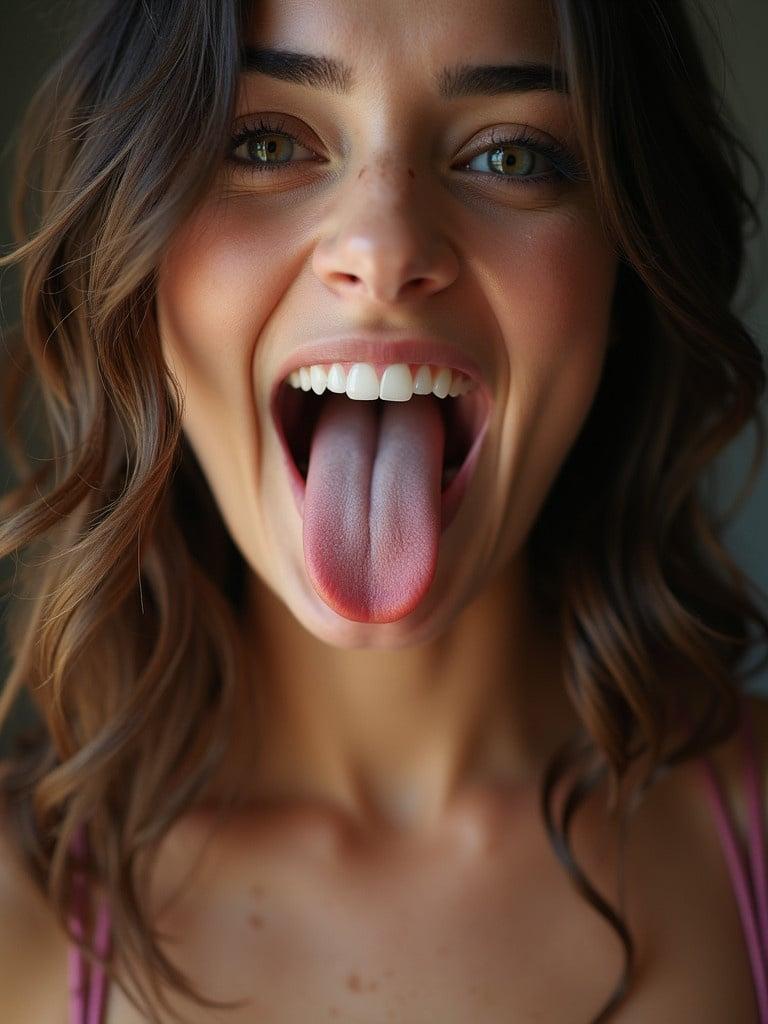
(749,875)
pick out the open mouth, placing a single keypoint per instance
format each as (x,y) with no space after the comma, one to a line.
(297,413)
(371,540)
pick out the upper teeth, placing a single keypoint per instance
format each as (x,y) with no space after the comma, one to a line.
(397,384)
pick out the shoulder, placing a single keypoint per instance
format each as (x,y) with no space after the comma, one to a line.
(32,946)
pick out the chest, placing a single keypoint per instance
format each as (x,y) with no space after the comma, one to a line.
(496,932)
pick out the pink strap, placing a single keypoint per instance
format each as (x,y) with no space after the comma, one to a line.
(751,892)
(755,806)
(86,1005)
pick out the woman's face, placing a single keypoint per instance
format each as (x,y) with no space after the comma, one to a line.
(390,211)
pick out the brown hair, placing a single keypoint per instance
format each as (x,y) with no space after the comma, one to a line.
(124,633)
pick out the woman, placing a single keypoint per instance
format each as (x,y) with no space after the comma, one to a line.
(388,662)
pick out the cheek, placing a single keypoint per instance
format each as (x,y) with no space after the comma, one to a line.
(559,313)
(552,290)
(220,279)
(197,283)
(551,282)
(561,307)
(222,276)
(207,317)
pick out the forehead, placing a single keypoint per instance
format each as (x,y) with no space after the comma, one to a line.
(406,37)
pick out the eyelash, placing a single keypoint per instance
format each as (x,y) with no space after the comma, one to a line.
(566,166)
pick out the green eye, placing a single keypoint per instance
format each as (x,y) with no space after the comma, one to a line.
(264,146)
(265,149)
(524,160)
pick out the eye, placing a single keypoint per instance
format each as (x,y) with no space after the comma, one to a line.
(508,161)
(265,146)
(524,160)
(521,160)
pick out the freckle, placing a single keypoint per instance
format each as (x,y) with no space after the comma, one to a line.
(442,948)
(388,973)
(410,172)
(258,889)
(372,986)
(333,1011)
(353,983)
(256,921)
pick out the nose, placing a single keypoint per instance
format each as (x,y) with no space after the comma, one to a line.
(381,243)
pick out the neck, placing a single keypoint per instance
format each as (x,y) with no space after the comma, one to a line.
(395,737)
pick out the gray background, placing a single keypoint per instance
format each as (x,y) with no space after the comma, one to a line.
(31,36)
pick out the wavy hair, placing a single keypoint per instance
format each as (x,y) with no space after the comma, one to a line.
(124,618)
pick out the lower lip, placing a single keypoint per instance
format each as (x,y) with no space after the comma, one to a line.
(451,497)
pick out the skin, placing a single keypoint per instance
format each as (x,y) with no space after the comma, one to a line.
(390,773)
(390,862)
(394,725)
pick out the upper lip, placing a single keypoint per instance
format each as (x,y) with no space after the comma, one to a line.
(371,348)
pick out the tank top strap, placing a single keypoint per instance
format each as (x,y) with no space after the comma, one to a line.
(756,816)
(87,983)
(748,871)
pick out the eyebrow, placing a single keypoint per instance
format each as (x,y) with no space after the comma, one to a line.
(452,83)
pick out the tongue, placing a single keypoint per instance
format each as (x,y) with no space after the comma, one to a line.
(372,509)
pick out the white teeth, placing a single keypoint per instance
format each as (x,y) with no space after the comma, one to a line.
(397,383)
(337,379)
(422,382)
(319,378)
(362,383)
(455,389)
(442,384)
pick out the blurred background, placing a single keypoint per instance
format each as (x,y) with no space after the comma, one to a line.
(33,33)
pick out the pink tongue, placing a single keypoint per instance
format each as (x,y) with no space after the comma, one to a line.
(372,510)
